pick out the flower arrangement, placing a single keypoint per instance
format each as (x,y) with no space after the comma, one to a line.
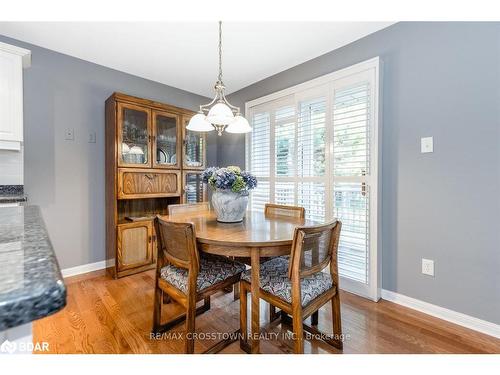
(229,178)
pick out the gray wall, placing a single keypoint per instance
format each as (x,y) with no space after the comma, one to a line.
(66,178)
(441,80)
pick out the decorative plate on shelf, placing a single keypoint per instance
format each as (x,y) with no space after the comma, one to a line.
(161,156)
(173,159)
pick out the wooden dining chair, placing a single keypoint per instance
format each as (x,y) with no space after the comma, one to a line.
(297,285)
(193,208)
(271,209)
(282,210)
(186,276)
(181,209)
(188,208)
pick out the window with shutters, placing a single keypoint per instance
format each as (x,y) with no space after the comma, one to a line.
(316,145)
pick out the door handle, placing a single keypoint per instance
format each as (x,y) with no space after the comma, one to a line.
(363,184)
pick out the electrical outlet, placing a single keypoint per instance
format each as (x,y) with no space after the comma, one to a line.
(426,145)
(428,267)
(69,134)
(92,137)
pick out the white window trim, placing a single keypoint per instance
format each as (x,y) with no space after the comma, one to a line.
(375,265)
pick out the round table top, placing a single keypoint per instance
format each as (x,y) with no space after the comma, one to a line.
(255,230)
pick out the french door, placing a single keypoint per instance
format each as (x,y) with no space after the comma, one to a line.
(316,145)
(354,180)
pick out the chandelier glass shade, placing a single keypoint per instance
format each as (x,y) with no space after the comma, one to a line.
(219,114)
(199,123)
(239,125)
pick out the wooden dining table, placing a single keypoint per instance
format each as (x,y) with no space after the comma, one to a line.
(257,236)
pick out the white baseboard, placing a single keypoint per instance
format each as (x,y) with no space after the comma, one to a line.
(467,321)
(78,270)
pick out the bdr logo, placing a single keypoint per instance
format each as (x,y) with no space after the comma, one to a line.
(11,347)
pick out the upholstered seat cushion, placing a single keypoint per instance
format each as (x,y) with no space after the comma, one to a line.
(213,270)
(274,279)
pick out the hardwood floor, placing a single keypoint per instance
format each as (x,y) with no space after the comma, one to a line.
(114,316)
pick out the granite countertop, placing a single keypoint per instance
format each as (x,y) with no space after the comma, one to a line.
(12,194)
(31,284)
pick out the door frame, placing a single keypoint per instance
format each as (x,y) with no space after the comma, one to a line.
(373,67)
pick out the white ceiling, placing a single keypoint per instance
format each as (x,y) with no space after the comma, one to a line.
(184,54)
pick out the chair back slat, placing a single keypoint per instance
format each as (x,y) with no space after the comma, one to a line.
(272,209)
(314,247)
(177,244)
(188,208)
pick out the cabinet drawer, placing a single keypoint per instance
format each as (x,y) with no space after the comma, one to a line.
(147,183)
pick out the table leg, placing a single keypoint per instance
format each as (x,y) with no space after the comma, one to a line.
(254,290)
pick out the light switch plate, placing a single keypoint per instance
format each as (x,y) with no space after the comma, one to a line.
(92,137)
(426,145)
(428,267)
(69,134)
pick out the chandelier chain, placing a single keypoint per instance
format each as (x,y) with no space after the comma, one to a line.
(220,51)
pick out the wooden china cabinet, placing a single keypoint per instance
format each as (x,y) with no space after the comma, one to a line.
(151,161)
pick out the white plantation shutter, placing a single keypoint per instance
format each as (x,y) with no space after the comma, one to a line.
(311,196)
(311,155)
(284,141)
(351,207)
(284,193)
(316,147)
(260,196)
(311,137)
(351,153)
(295,142)
(260,149)
(351,115)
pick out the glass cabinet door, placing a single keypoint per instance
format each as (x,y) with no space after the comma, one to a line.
(166,143)
(194,189)
(194,149)
(133,135)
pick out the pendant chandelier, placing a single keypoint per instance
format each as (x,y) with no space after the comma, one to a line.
(219,114)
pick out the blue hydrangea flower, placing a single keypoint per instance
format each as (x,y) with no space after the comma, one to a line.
(207,173)
(230,178)
(250,180)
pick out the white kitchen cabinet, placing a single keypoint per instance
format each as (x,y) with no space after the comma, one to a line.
(12,61)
